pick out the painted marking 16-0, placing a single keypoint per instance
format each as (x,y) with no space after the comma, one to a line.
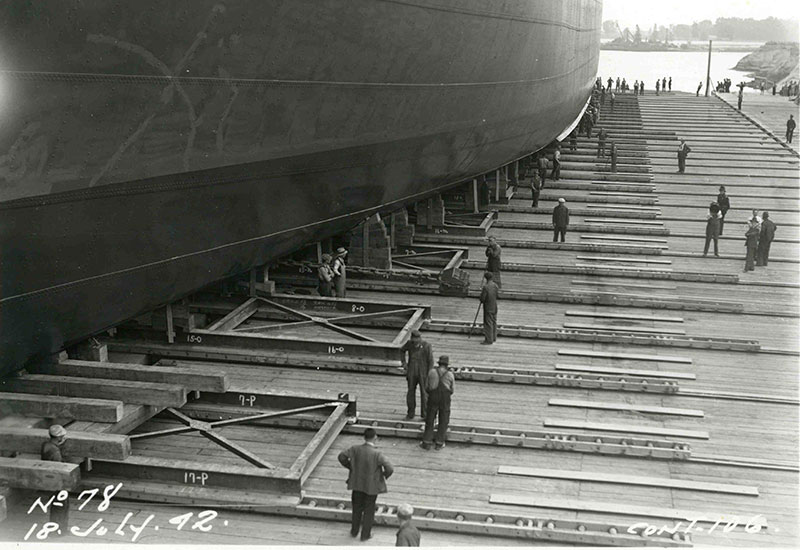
(195,478)
(333,350)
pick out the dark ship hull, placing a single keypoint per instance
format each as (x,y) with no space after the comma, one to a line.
(148,149)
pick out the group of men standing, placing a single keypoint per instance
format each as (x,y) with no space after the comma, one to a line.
(332,274)
(759,234)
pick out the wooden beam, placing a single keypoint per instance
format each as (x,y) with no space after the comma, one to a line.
(623,479)
(313,452)
(21,473)
(645,330)
(625,260)
(625,428)
(625,316)
(631,372)
(415,319)
(625,221)
(236,317)
(540,501)
(631,356)
(624,238)
(632,285)
(170,324)
(49,406)
(3,508)
(191,378)
(624,407)
(627,268)
(78,444)
(146,393)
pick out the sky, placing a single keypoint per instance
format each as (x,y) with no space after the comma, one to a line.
(665,12)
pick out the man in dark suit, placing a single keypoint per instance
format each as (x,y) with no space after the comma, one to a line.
(489,294)
(768,228)
(560,220)
(724,203)
(369,470)
(751,242)
(683,152)
(419,362)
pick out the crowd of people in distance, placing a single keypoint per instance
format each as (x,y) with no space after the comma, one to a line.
(621,85)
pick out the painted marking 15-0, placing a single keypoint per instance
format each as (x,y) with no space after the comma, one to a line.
(194,339)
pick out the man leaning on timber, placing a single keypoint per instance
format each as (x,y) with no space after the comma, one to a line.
(489,295)
(417,365)
(765,239)
(53,451)
(441,385)
(369,470)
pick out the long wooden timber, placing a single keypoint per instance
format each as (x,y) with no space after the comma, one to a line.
(622,509)
(77,444)
(625,428)
(621,355)
(540,528)
(613,271)
(40,475)
(623,479)
(597,443)
(547,245)
(51,406)
(672,411)
(168,395)
(190,378)
(619,336)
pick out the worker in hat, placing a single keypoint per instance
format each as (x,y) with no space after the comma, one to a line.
(441,384)
(418,360)
(53,451)
(489,295)
(560,220)
(340,272)
(493,265)
(325,276)
(407,534)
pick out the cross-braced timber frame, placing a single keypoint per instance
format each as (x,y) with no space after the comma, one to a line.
(291,312)
(237,408)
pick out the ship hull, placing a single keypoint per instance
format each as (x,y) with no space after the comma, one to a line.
(152,186)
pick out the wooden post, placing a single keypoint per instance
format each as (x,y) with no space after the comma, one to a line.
(708,71)
(475,207)
(430,214)
(170,327)
(497,185)
(252,281)
(319,252)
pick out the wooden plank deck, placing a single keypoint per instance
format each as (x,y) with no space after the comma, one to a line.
(465,476)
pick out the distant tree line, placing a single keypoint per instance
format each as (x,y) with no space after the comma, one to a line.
(724,28)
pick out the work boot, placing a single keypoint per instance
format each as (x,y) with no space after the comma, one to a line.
(410,416)
(426,446)
(439,446)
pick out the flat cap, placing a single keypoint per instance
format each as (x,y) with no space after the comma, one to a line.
(444,360)
(561,200)
(416,333)
(57,430)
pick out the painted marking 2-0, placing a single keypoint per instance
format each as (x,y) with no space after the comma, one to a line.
(194,339)
(358,309)
(195,478)
(333,350)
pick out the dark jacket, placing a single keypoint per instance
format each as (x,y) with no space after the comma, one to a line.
(768,228)
(489,297)
(407,535)
(751,237)
(560,216)
(724,203)
(684,151)
(420,358)
(791,124)
(369,469)
(713,226)
(493,252)
(51,452)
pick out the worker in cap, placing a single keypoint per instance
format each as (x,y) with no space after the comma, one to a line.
(489,295)
(417,357)
(339,269)
(325,277)
(407,534)
(493,252)
(441,384)
(52,451)
(560,220)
